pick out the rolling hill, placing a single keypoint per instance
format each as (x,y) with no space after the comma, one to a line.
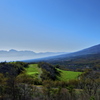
(92,50)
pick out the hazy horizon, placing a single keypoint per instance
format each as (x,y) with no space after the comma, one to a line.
(49,25)
(14,55)
(8,50)
(45,51)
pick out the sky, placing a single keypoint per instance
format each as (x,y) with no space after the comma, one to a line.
(49,25)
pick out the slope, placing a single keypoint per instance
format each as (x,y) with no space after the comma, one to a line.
(35,71)
(92,50)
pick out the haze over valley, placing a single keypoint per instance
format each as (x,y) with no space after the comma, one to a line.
(14,55)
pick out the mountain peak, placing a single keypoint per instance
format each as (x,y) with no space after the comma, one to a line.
(12,50)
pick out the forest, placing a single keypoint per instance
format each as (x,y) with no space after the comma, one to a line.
(18,82)
(91,61)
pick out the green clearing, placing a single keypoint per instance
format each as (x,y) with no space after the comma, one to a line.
(33,70)
(68,75)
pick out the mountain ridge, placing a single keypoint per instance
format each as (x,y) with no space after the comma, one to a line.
(14,55)
(91,50)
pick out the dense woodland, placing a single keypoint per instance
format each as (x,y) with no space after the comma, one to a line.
(91,61)
(16,85)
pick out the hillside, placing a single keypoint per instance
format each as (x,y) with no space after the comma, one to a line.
(35,71)
(92,50)
(80,62)
(87,58)
(68,75)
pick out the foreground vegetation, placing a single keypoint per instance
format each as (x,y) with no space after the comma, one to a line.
(18,84)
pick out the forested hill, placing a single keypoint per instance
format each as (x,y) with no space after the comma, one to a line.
(92,50)
(89,57)
(80,62)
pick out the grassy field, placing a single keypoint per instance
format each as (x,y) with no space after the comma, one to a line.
(68,75)
(33,70)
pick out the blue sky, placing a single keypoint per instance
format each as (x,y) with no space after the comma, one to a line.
(49,25)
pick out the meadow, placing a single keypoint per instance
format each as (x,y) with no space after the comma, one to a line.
(68,75)
(35,71)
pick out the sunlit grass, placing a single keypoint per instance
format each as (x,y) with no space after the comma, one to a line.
(33,70)
(68,75)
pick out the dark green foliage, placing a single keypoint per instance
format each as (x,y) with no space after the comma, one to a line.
(12,68)
(48,71)
(91,61)
(15,86)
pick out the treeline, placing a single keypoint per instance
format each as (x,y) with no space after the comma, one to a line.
(48,71)
(12,67)
(91,61)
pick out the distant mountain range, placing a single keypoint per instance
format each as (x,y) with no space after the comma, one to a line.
(64,57)
(53,57)
(14,55)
